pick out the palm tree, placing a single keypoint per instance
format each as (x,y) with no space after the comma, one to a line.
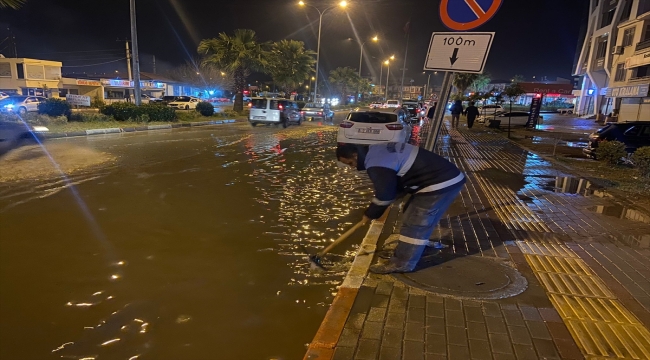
(239,54)
(343,79)
(290,64)
(518,79)
(13,4)
(462,81)
(481,83)
(364,86)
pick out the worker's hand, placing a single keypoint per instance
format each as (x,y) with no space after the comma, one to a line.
(365,220)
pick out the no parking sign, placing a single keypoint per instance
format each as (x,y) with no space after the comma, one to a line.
(464,15)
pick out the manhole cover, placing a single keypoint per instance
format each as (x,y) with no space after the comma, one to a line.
(471,277)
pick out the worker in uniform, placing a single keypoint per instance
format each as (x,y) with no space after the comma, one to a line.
(396,169)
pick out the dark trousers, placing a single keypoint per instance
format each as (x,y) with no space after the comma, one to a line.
(470,121)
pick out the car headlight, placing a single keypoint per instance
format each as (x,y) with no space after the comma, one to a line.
(9,106)
(41,129)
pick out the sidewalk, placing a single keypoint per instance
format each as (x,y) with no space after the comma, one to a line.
(586,262)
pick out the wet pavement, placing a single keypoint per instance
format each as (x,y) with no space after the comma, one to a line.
(585,257)
(179,244)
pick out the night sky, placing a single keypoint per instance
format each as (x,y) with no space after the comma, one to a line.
(533,37)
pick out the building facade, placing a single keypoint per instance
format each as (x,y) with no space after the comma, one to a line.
(615,60)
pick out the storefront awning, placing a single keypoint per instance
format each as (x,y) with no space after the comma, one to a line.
(634,91)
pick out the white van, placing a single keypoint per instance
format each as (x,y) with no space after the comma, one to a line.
(392,104)
(274,111)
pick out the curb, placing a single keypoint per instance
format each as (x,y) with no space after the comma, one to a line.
(135,129)
(327,336)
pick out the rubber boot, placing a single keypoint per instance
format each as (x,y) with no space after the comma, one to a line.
(405,259)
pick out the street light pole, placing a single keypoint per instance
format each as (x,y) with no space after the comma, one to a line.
(136,57)
(320,27)
(387,79)
(381,73)
(361,56)
(427,90)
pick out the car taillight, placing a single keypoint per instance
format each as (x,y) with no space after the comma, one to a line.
(320,113)
(346,124)
(302,112)
(395,126)
(280,107)
(250,104)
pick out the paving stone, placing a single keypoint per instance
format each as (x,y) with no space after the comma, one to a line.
(380,301)
(434,357)
(491,309)
(395,320)
(417,301)
(376,314)
(436,326)
(397,305)
(530,313)
(355,321)
(363,300)
(545,348)
(400,293)
(480,349)
(435,299)
(474,314)
(384,288)
(436,344)
(392,338)
(507,357)
(343,353)
(367,349)
(435,309)
(456,335)
(388,353)
(413,350)
(558,331)
(496,325)
(568,349)
(538,330)
(457,352)
(519,335)
(550,315)
(500,343)
(453,304)
(415,315)
(477,331)
(471,303)
(414,332)
(372,330)
(525,352)
(513,318)
(454,318)
(349,338)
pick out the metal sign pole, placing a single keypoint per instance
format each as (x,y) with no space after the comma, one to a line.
(441,108)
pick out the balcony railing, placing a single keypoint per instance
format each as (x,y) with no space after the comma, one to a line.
(643,45)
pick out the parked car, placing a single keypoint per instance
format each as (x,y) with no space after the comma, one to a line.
(165,100)
(392,104)
(490,109)
(20,104)
(634,134)
(414,110)
(13,134)
(567,110)
(373,127)
(376,105)
(313,111)
(515,118)
(274,111)
(185,103)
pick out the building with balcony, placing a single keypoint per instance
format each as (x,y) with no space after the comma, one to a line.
(30,76)
(615,60)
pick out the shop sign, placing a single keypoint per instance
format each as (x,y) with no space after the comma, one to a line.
(637,60)
(88,82)
(629,91)
(152,84)
(79,100)
(126,83)
(541,88)
(117,83)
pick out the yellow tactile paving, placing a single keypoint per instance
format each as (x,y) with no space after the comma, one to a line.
(599,323)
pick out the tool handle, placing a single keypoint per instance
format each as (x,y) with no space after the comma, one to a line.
(342,238)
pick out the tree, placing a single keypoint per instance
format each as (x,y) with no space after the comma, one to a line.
(512,92)
(343,79)
(239,54)
(481,82)
(206,77)
(518,79)
(12,4)
(290,64)
(462,81)
(364,86)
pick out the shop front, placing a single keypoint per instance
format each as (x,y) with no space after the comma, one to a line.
(633,102)
(116,90)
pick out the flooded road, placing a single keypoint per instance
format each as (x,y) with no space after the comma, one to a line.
(186,244)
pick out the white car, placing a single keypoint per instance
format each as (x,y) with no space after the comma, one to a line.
(490,109)
(374,127)
(515,118)
(20,104)
(376,105)
(392,104)
(3,95)
(185,103)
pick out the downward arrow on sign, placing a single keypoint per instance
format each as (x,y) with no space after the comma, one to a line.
(454,57)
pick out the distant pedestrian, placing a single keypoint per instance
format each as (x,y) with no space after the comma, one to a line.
(456,110)
(431,112)
(471,112)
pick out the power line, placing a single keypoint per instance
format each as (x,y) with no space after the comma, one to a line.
(107,62)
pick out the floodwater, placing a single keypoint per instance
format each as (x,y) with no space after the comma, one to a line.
(183,244)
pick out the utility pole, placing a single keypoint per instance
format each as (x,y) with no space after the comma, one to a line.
(154,64)
(406,53)
(136,56)
(128,61)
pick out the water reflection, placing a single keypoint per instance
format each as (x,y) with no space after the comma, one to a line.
(578,186)
(621,212)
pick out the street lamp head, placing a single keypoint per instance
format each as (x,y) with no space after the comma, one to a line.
(376,38)
(301,3)
(387,62)
(392,57)
(313,78)
(343,4)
